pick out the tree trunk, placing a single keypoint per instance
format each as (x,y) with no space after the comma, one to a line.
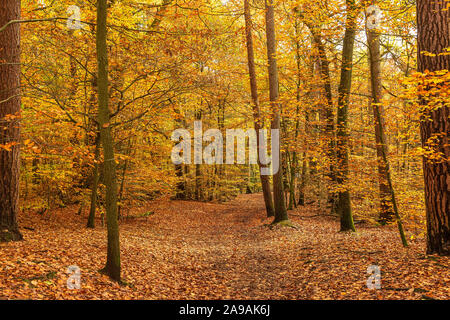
(434,36)
(198,171)
(265,182)
(278,194)
(344,205)
(9,120)
(388,205)
(373,42)
(112,268)
(95,178)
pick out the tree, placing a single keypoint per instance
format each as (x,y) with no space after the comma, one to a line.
(265,182)
(327,111)
(278,193)
(433,40)
(112,268)
(344,205)
(94,188)
(388,203)
(9,120)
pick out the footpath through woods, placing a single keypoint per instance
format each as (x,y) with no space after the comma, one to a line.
(191,250)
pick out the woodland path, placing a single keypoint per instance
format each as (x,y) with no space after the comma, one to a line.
(192,250)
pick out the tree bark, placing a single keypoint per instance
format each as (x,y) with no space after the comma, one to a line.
(278,192)
(112,268)
(434,37)
(344,205)
(9,120)
(258,123)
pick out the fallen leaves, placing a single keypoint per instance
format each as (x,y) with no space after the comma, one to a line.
(190,250)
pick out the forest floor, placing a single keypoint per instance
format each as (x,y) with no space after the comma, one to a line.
(192,250)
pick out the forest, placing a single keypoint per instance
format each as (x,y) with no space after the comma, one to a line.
(224,149)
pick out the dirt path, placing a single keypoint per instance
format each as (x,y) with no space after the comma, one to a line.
(191,250)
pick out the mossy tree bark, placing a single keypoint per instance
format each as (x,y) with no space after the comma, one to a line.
(344,204)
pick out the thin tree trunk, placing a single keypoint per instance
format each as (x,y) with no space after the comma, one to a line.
(112,268)
(278,194)
(292,170)
(122,181)
(9,126)
(95,178)
(302,184)
(344,205)
(434,36)
(258,122)
(388,205)
(198,171)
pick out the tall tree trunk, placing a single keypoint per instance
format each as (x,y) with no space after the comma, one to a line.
(258,122)
(344,205)
(9,120)
(112,268)
(434,36)
(388,205)
(373,41)
(278,194)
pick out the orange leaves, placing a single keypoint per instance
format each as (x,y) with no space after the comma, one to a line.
(8,146)
(191,250)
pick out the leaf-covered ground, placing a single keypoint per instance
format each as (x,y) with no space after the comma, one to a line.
(191,250)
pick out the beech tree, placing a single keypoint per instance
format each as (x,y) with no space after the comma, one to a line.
(278,188)
(259,124)
(112,268)
(388,202)
(344,205)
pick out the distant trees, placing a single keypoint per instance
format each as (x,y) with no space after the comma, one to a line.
(9,120)
(433,44)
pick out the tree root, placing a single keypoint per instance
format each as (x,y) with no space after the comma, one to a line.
(284,223)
